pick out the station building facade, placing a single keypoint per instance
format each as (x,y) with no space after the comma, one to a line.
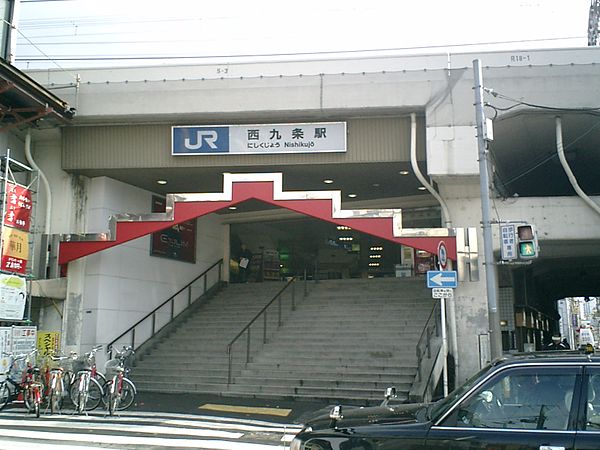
(399,116)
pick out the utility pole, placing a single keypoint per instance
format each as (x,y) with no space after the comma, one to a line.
(488,246)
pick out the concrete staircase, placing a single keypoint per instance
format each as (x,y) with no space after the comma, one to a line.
(193,357)
(349,339)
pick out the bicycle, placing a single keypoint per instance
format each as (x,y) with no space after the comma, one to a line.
(59,377)
(120,390)
(86,392)
(14,383)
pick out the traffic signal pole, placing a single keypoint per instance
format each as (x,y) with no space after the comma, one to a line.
(488,246)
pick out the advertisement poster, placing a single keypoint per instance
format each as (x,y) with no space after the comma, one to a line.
(13,296)
(15,250)
(177,242)
(5,347)
(24,339)
(48,343)
(18,206)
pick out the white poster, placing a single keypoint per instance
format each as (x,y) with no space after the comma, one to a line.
(5,347)
(24,339)
(13,293)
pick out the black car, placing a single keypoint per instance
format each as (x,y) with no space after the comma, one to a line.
(535,401)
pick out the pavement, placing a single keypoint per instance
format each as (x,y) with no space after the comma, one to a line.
(274,410)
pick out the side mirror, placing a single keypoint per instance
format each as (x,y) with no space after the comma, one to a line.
(336,413)
(390,392)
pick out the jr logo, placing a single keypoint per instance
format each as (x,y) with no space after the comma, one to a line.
(208,136)
(200,140)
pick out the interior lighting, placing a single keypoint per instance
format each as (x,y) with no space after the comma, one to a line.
(345,238)
(328,181)
(376,248)
(352,195)
(233,208)
(404,172)
(374,256)
(343,228)
(161,181)
(374,264)
(376,185)
(422,188)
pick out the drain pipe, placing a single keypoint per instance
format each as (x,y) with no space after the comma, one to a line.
(419,175)
(48,197)
(447,222)
(567,169)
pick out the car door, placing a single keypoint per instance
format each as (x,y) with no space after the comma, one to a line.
(588,436)
(520,407)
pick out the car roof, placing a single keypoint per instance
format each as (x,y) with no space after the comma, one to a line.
(548,357)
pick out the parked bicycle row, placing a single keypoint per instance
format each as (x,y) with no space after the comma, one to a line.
(47,385)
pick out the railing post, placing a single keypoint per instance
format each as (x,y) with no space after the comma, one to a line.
(189,295)
(248,347)
(279,311)
(205,281)
(220,272)
(294,296)
(265,327)
(230,363)
(428,345)
(305,283)
(153,323)
(133,338)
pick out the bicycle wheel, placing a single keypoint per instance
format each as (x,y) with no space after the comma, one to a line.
(37,401)
(28,399)
(4,394)
(128,392)
(94,395)
(55,397)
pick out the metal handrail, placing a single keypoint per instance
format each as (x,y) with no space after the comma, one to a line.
(255,318)
(431,327)
(171,299)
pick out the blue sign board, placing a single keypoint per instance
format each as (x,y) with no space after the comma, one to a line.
(314,137)
(200,140)
(442,279)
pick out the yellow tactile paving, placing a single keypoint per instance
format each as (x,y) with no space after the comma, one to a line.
(247,409)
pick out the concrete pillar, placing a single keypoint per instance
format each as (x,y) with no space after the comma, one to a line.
(72,322)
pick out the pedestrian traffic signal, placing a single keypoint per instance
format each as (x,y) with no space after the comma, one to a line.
(527,246)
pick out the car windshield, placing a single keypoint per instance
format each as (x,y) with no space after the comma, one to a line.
(440,406)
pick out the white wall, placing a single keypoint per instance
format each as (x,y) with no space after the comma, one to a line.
(124,283)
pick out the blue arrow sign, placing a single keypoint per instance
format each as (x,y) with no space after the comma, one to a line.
(442,278)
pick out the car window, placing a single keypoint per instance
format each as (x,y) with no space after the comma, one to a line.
(593,402)
(521,399)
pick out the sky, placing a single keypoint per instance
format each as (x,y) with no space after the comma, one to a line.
(105,33)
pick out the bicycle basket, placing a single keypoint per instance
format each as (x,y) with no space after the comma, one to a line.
(111,367)
(81,363)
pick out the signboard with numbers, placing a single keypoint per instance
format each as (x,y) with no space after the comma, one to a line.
(316,137)
(15,250)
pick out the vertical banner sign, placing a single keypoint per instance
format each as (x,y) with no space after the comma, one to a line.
(15,228)
(18,207)
(48,342)
(177,242)
(13,294)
